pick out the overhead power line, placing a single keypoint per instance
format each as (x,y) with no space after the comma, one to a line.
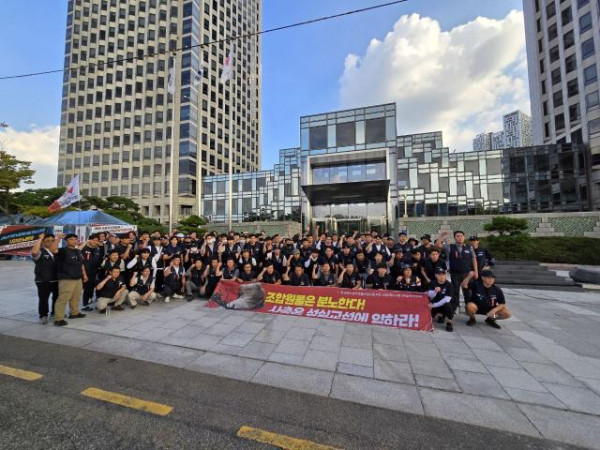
(205,44)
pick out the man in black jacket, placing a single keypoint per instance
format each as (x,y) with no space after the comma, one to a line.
(45,274)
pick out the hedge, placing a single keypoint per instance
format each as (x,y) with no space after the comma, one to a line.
(566,250)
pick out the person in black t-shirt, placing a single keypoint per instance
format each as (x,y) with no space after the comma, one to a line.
(111,290)
(92,258)
(349,278)
(195,279)
(484,297)
(269,275)
(323,277)
(380,280)
(247,274)
(297,277)
(45,274)
(430,265)
(440,295)
(230,271)
(71,275)
(142,288)
(408,281)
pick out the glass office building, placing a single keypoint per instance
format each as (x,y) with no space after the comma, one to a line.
(352,172)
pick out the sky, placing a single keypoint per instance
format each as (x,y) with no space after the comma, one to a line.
(450,65)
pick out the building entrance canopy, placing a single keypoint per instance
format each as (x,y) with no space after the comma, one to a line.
(364,191)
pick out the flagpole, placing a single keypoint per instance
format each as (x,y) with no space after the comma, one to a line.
(172,159)
(231,145)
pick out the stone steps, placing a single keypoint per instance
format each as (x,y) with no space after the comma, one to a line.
(529,274)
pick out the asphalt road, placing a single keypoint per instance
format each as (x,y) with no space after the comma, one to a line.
(51,413)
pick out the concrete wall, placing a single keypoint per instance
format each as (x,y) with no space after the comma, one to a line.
(270,228)
(550,224)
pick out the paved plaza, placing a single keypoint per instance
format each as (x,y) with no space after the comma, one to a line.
(538,376)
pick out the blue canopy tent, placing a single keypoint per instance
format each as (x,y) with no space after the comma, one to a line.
(82,218)
(84,223)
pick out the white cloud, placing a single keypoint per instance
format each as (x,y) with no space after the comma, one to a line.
(460,81)
(38,145)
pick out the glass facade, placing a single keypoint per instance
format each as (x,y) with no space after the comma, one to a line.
(383,177)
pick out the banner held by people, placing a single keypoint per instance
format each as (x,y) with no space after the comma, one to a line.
(395,309)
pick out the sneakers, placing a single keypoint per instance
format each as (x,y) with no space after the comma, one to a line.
(60,323)
(134,306)
(76,316)
(87,308)
(167,299)
(43,320)
(492,323)
(177,296)
(440,319)
(189,298)
(144,303)
(471,321)
(449,327)
(102,311)
(118,308)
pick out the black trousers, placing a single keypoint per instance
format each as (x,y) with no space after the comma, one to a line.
(159,280)
(45,288)
(170,290)
(88,290)
(446,310)
(457,279)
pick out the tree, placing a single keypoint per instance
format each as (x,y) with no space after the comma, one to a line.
(37,197)
(506,225)
(13,173)
(191,223)
(122,203)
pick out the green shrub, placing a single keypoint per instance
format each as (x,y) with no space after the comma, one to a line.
(506,225)
(566,250)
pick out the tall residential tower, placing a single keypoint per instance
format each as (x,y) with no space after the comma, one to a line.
(119,123)
(563,54)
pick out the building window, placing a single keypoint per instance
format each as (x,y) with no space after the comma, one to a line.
(555,76)
(590,75)
(559,122)
(573,87)
(587,48)
(569,39)
(574,114)
(318,137)
(571,63)
(566,16)
(375,131)
(550,10)
(582,3)
(345,134)
(585,22)
(557,99)
(554,54)
(592,100)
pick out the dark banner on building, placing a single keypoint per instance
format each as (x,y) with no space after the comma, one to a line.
(18,239)
(396,309)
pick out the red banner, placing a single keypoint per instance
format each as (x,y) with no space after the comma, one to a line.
(395,309)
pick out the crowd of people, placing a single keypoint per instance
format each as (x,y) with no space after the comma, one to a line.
(109,270)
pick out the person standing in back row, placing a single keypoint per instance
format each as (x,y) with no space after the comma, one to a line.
(71,275)
(45,274)
(463,263)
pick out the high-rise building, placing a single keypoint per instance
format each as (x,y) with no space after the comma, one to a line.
(516,133)
(563,54)
(482,142)
(498,140)
(517,130)
(120,123)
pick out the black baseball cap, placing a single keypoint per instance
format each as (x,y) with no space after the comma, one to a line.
(487,273)
(426,236)
(382,266)
(473,238)
(440,269)
(145,250)
(71,236)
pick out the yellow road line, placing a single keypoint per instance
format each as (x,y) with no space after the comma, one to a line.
(279,440)
(129,402)
(18,373)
